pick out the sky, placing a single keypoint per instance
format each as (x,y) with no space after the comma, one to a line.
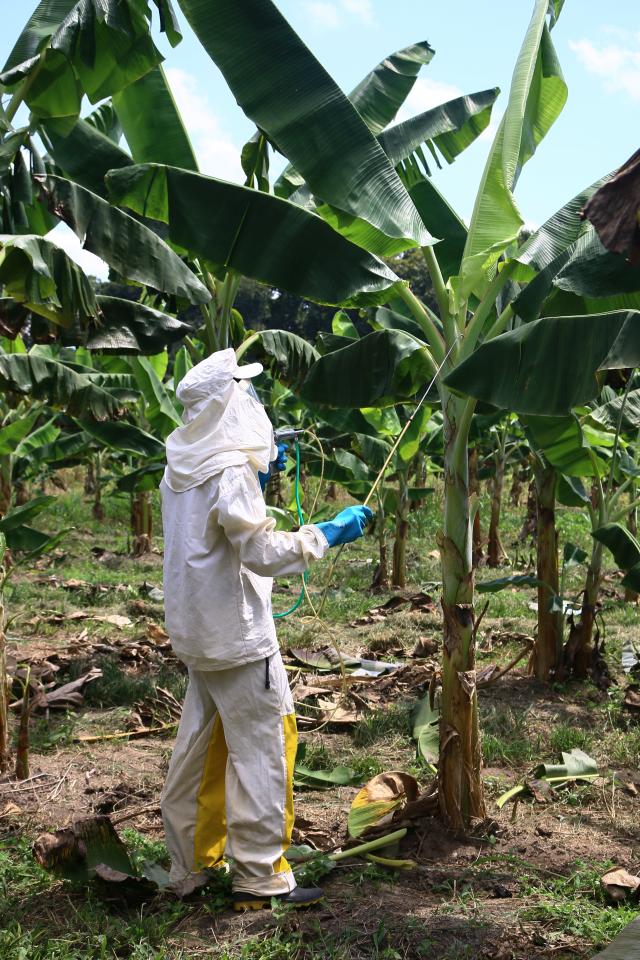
(476,46)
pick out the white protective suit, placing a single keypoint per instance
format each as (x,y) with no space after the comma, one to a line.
(229,787)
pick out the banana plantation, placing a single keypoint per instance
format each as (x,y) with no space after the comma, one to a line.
(465,675)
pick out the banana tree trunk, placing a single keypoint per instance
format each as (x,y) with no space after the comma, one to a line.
(4,680)
(399,569)
(474,489)
(274,491)
(381,576)
(97,509)
(579,649)
(6,488)
(516,487)
(460,784)
(632,525)
(548,649)
(141,523)
(90,480)
(496,551)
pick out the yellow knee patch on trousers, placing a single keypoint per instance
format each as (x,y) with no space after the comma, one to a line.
(290,748)
(210,836)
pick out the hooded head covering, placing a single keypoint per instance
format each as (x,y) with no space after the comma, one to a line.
(223,425)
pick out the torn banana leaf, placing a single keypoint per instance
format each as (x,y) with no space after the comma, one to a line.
(304,776)
(577,766)
(379,799)
(426,731)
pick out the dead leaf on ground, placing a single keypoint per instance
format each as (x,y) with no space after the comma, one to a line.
(421,602)
(425,647)
(619,884)
(632,698)
(60,697)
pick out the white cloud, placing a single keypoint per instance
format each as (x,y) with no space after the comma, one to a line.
(329,16)
(363,9)
(427,93)
(618,65)
(216,152)
(325,15)
(64,237)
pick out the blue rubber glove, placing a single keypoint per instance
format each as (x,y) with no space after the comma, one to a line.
(280,463)
(347,526)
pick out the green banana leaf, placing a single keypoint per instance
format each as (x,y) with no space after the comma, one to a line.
(317,129)
(151,123)
(129,327)
(46,379)
(289,354)
(18,516)
(84,153)
(506,583)
(123,437)
(562,443)
(379,369)
(38,439)
(160,410)
(608,413)
(386,319)
(105,120)
(377,98)
(12,434)
(536,98)
(625,549)
(40,275)
(125,244)
(143,480)
(304,776)
(425,730)
(253,234)
(93,48)
(576,766)
(440,219)
(450,128)
(507,371)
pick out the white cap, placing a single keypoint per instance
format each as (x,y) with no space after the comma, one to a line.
(211,377)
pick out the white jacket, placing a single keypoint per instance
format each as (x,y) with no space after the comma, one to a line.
(221,551)
(220,548)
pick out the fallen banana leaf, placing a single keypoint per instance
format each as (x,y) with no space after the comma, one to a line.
(503,583)
(577,766)
(75,852)
(632,698)
(421,602)
(630,655)
(304,776)
(379,799)
(426,731)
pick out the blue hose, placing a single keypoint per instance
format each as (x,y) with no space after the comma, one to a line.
(279,616)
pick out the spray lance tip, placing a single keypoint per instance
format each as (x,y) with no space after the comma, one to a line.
(286,434)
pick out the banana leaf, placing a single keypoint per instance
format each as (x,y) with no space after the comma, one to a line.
(425,730)
(379,369)
(562,443)
(379,96)
(304,776)
(378,799)
(506,583)
(12,434)
(84,153)
(123,437)
(450,128)
(318,130)
(40,275)
(625,549)
(608,413)
(160,410)
(536,99)
(507,371)
(152,125)
(442,222)
(290,355)
(124,243)
(46,379)
(129,327)
(253,234)
(576,766)
(93,48)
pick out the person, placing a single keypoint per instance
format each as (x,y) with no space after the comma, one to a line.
(229,787)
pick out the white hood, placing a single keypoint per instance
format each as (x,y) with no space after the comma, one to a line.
(224,426)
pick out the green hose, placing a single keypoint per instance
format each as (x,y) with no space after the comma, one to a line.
(279,616)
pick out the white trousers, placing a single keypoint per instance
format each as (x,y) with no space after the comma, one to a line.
(229,788)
